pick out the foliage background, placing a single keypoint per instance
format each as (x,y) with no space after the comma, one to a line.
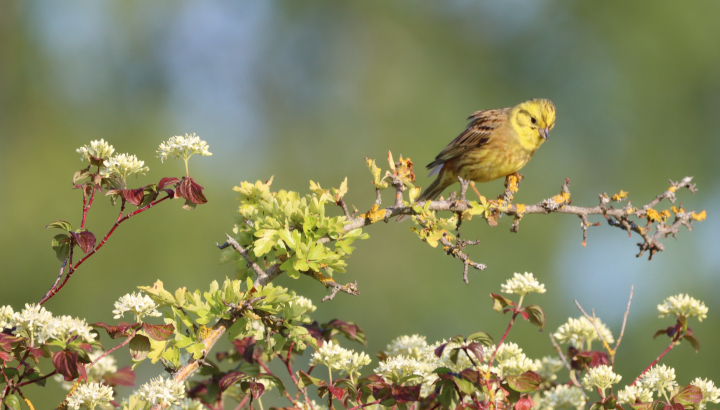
(305,90)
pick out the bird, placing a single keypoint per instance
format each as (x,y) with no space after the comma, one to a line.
(497,143)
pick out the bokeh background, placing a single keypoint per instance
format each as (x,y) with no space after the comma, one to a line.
(306,90)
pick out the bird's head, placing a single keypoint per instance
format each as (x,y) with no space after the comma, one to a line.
(532,121)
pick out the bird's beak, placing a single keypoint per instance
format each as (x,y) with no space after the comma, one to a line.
(544,132)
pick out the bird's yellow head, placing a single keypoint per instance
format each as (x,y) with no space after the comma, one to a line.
(532,121)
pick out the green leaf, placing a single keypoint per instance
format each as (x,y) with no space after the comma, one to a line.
(275,380)
(12,401)
(501,302)
(688,395)
(158,293)
(524,383)
(305,380)
(139,347)
(64,225)
(61,245)
(481,337)
(536,316)
(693,342)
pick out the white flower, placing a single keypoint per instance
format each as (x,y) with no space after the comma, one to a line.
(67,326)
(162,391)
(97,149)
(304,303)
(601,377)
(7,315)
(511,361)
(90,395)
(124,165)
(577,331)
(560,397)
(399,367)
(683,305)
(34,322)
(330,355)
(139,304)
(658,378)
(523,284)
(632,393)
(187,404)
(355,362)
(709,391)
(184,147)
(548,366)
(411,346)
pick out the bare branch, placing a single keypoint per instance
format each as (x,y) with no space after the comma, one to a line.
(627,312)
(567,365)
(456,251)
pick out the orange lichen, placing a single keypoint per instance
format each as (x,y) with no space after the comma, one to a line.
(374,214)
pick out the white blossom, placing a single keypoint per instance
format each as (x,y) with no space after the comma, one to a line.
(548,366)
(89,396)
(184,147)
(523,284)
(187,404)
(304,303)
(601,377)
(7,315)
(511,361)
(710,393)
(124,165)
(354,363)
(97,149)
(410,346)
(66,326)
(658,378)
(562,397)
(577,331)
(162,391)
(137,303)
(399,367)
(34,322)
(331,355)
(630,394)
(683,305)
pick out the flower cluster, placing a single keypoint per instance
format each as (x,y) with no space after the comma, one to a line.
(336,358)
(511,361)
(411,346)
(184,147)
(562,396)
(710,393)
(124,165)
(137,303)
(631,394)
(162,391)
(659,378)
(601,377)
(6,317)
(38,324)
(97,149)
(304,303)
(548,366)
(399,367)
(523,284)
(66,326)
(187,404)
(89,396)
(581,330)
(683,305)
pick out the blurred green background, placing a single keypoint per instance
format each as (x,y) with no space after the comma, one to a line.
(306,90)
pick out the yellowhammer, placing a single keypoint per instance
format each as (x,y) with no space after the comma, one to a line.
(497,143)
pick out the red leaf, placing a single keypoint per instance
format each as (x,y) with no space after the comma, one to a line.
(477,350)
(158,332)
(404,394)
(85,240)
(6,357)
(36,352)
(167,181)
(232,378)
(689,395)
(66,363)
(525,403)
(349,329)
(246,347)
(337,392)
(122,377)
(439,350)
(121,330)
(257,389)
(6,340)
(526,382)
(191,191)
(133,196)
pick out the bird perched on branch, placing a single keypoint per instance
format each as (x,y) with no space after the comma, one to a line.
(497,143)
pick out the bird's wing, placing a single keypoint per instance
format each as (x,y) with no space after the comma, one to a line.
(478,133)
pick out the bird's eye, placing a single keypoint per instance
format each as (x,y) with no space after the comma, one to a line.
(534,121)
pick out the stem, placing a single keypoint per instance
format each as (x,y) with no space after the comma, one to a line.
(26,399)
(292,375)
(330,406)
(112,350)
(120,220)
(86,206)
(672,344)
(242,403)
(365,405)
(187,175)
(52,373)
(502,339)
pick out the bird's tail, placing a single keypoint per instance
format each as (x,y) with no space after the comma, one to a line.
(432,192)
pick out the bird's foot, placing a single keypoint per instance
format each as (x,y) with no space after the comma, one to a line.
(512,185)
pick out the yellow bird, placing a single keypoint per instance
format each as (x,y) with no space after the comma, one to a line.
(497,143)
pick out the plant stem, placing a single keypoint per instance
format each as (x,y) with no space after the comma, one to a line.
(672,344)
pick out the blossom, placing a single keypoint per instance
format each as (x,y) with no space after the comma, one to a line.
(548,366)
(66,326)
(184,147)
(97,149)
(304,303)
(710,393)
(139,304)
(35,322)
(7,317)
(355,362)
(331,355)
(560,397)
(511,361)
(630,394)
(124,165)
(399,367)
(411,346)
(577,331)
(90,395)
(658,378)
(523,284)
(187,404)
(601,377)
(162,391)
(683,305)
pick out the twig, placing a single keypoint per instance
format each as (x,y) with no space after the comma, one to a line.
(672,344)
(597,329)
(622,330)
(456,251)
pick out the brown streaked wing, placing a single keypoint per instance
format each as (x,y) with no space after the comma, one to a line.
(477,133)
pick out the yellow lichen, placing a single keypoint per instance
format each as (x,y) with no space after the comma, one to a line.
(374,214)
(652,215)
(699,217)
(619,197)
